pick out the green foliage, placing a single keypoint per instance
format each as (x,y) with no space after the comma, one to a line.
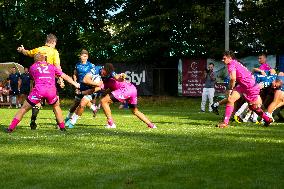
(186,151)
(140,31)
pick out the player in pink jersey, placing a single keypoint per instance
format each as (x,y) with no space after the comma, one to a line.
(122,91)
(264,68)
(246,87)
(43,74)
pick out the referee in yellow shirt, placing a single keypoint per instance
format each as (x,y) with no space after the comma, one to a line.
(51,57)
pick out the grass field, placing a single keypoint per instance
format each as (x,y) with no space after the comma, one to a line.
(186,151)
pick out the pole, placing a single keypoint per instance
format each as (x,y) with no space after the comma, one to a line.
(227,12)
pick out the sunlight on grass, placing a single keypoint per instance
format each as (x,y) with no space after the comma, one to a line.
(186,151)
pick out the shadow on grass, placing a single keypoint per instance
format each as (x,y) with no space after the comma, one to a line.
(145,159)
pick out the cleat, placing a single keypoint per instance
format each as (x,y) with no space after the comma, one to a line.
(237,119)
(8,130)
(62,129)
(66,119)
(33,125)
(258,123)
(222,125)
(215,109)
(267,123)
(113,126)
(69,124)
(152,126)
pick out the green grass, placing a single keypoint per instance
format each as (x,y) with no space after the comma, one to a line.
(186,151)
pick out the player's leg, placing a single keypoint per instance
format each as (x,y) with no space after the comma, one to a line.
(237,116)
(19,115)
(215,106)
(211,98)
(230,107)
(105,102)
(92,105)
(73,107)
(141,116)
(35,111)
(256,107)
(277,101)
(78,112)
(203,100)
(58,114)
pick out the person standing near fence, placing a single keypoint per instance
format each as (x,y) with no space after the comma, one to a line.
(209,88)
(25,85)
(13,80)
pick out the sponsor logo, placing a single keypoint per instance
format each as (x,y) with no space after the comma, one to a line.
(136,78)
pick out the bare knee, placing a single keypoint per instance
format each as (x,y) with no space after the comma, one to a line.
(134,111)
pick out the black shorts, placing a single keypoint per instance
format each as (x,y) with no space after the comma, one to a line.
(14,91)
(24,91)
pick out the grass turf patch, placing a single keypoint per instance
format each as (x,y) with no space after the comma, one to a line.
(186,151)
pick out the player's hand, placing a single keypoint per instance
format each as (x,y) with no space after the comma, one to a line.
(123,76)
(263,73)
(78,92)
(261,85)
(21,48)
(230,92)
(61,83)
(77,85)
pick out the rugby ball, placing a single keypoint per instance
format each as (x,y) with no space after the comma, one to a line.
(96,78)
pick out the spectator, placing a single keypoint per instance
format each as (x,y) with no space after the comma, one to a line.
(1,91)
(25,85)
(13,80)
(208,90)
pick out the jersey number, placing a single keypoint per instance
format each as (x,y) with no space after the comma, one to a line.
(43,69)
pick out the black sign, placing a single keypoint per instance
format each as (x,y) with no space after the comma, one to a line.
(141,75)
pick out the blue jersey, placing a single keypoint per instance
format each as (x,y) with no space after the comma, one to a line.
(98,70)
(82,70)
(14,78)
(265,80)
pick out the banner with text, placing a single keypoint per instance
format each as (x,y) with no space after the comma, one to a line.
(190,73)
(191,77)
(141,75)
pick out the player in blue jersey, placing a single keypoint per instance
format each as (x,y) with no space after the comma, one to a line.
(95,79)
(94,86)
(81,69)
(278,100)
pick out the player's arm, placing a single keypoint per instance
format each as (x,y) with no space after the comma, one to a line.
(259,71)
(88,80)
(56,60)
(75,75)
(233,78)
(70,80)
(30,53)
(119,77)
(89,91)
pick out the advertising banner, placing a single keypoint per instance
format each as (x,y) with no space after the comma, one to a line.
(191,77)
(141,75)
(190,73)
